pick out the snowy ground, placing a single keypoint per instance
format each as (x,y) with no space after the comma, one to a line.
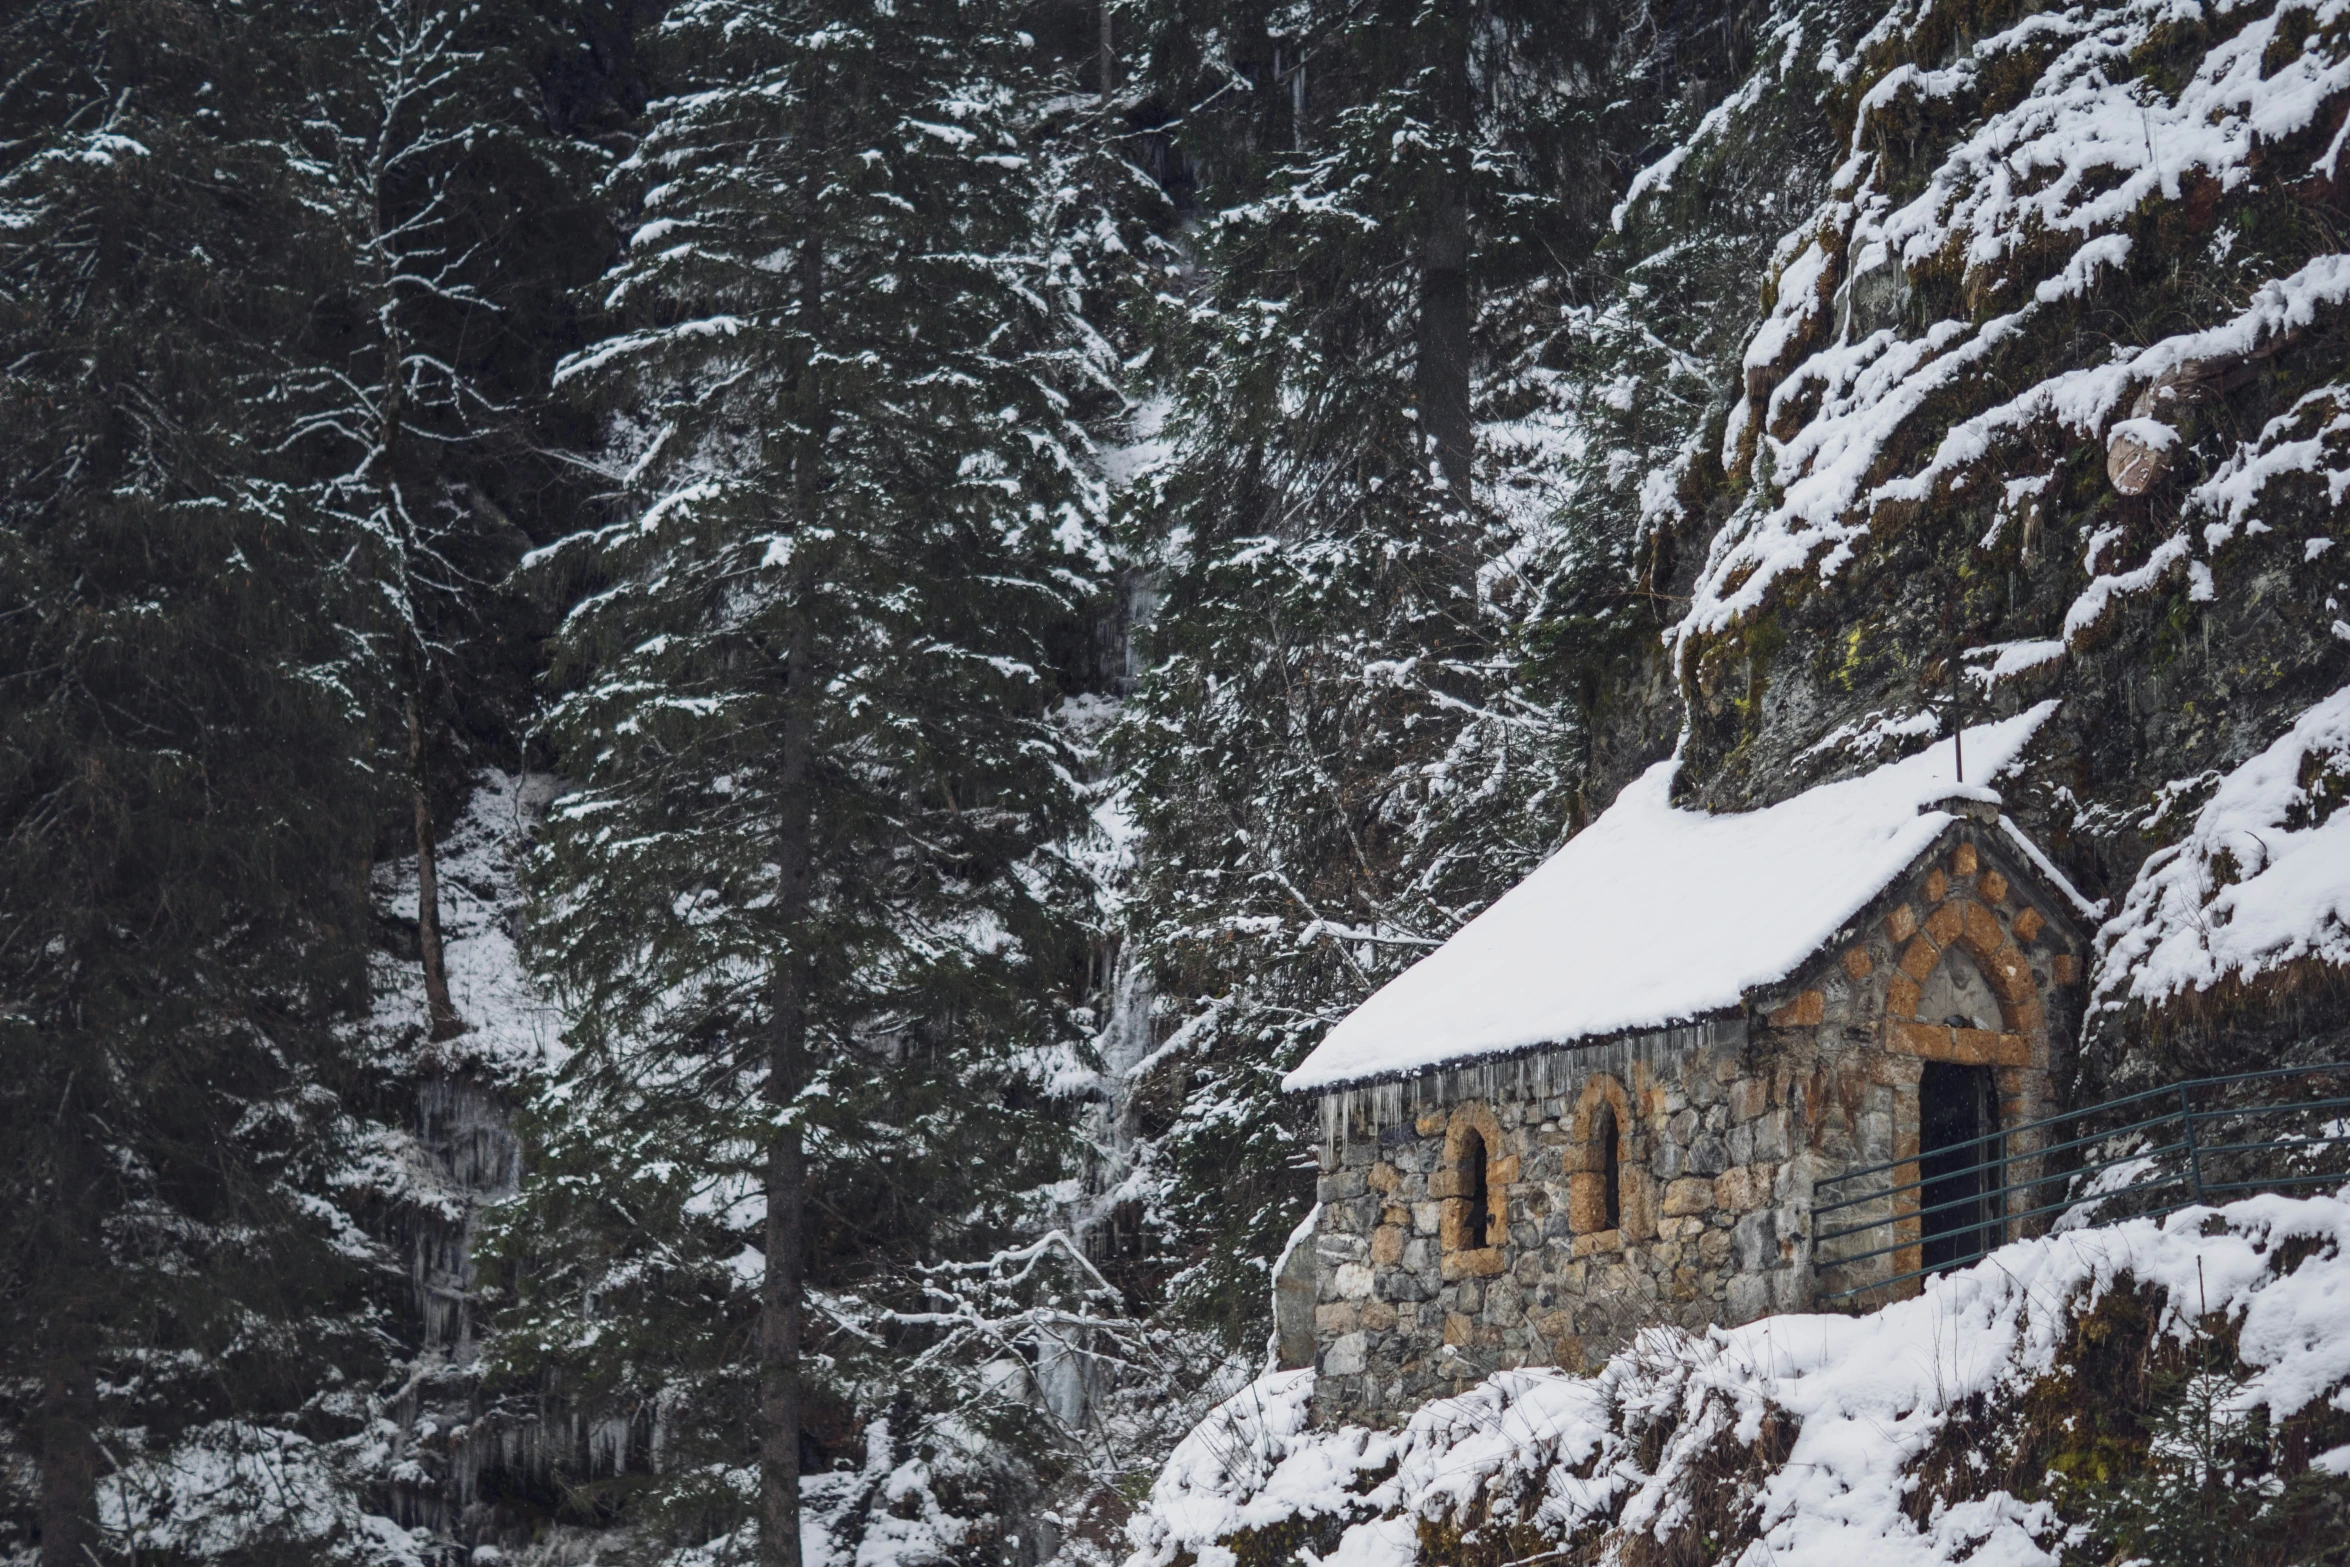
(512,1026)
(1830,1419)
(230,1486)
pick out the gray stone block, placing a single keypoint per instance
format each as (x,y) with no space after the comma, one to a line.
(1756,1242)
(1339,1185)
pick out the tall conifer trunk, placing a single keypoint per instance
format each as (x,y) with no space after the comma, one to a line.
(787,1185)
(787,1181)
(64,1447)
(69,1466)
(1444,250)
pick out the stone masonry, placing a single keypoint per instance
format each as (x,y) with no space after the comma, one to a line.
(1721,1132)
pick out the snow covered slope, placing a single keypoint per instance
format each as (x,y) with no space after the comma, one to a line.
(1937,1430)
(2047,400)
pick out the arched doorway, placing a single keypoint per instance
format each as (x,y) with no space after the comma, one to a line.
(1959,1147)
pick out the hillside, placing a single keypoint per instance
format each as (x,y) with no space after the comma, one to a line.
(2042,405)
(2175,1392)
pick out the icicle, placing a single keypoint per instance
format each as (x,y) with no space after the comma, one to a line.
(1363,1109)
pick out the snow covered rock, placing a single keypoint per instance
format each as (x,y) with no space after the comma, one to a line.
(2024,1411)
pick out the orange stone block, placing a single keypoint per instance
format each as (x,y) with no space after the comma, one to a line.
(2009,971)
(1639,1215)
(1587,1203)
(1917,1039)
(1502,1171)
(1858,963)
(1993,887)
(1887,1069)
(1458,1329)
(1965,1046)
(1480,1264)
(1901,924)
(1745,1187)
(1918,960)
(1982,929)
(2065,968)
(1937,886)
(1901,997)
(1974,1046)
(1962,860)
(1688,1195)
(1386,1246)
(1945,923)
(2027,924)
(1383,1177)
(1805,1011)
(2022,1017)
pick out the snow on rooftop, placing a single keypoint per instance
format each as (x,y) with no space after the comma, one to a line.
(1655,915)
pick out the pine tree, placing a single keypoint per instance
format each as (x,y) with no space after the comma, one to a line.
(807,893)
(1396,546)
(1337,752)
(184,808)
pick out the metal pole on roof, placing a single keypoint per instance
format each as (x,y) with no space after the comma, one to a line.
(1957,716)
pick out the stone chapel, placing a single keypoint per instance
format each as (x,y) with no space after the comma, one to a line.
(1606,1101)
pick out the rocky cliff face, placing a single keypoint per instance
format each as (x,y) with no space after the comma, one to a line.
(2047,399)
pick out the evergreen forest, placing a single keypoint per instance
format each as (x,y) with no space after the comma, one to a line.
(698,696)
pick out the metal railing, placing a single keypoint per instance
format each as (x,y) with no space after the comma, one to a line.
(2142,1154)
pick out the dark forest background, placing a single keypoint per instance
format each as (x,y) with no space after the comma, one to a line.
(696,697)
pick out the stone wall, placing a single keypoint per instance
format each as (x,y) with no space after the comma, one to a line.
(1720,1139)
(1405,1312)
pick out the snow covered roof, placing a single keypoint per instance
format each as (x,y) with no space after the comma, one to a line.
(1655,915)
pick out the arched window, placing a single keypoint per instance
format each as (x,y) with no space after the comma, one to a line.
(1611,1169)
(1473,1188)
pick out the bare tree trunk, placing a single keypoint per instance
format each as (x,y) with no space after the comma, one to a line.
(439,1009)
(1444,253)
(1109,56)
(782,1289)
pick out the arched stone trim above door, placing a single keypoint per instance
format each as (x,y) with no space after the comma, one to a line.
(1975,926)
(1975,931)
